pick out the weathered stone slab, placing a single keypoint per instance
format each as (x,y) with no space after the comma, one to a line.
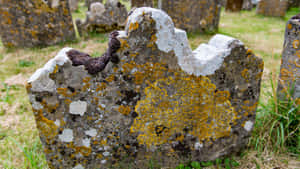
(103,18)
(73,5)
(149,97)
(289,79)
(141,3)
(234,5)
(35,22)
(88,3)
(193,15)
(247,5)
(272,7)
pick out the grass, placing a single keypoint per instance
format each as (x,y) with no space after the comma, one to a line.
(272,142)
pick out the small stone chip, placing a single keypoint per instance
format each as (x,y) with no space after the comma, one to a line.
(66,136)
(78,107)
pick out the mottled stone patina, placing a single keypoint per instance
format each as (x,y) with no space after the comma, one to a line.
(193,15)
(103,18)
(272,7)
(35,22)
(155,99)
(289,80)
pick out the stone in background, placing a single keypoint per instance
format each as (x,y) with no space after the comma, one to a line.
(293,3)
(234,5)
(141,3)
(88,3)
(247,5)
(73,5)
(149,97)
(290,64)
(103,18)
(35,23)
(272,7)
(193,15)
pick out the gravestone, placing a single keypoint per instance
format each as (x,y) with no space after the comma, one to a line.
(141,3)
(289,79)
(234,5)
(103,18)
(247,5)
(194,15)
(35,23)
(73,5)
(88,3)
(149,97)
(275,8)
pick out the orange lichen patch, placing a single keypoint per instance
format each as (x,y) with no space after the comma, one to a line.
(125,110)
(101,86)
(133,26)
(124,44)
(245,74)
(28,86)
(47,127)
(296,44)
(285,74)
(86,79)
(289,26)
(249,52)
(110,78)
(65,92)
(85,151)
(175,103)
(67,101)
(249,108)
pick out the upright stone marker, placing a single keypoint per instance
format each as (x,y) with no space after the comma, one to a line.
(272,7)
(35,22)
(88,3)
(141,3)
(194,15)
(150,97)
(234,5)
(103,18)
(247,5)
(289,79)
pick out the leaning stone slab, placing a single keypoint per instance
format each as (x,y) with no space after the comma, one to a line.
(149,97)
(88,3)
(35,22)
(234,5)
(289,80)
(103,18)
(272,7)
(193,15)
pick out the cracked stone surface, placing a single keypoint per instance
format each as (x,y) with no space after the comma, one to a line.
(150,98)
(272,7)
(35,23)
(103,18)
(193,15)
(289,78)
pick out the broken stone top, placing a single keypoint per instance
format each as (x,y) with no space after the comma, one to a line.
(205,60)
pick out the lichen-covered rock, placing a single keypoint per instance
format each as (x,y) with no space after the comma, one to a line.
(35,22)
(103,18)
(247,5)
(141,3)
(73,5)
(272,7)
(234,5)
(150,97)
(88,3)
(193,15)
(289,80)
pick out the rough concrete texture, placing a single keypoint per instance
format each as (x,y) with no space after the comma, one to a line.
(155,99)
(35,22)
(247,5)
(89,2)
(272,7)
(234,5)
(73,5)
(103,18)
(141,3)
(289,79)
(193,15)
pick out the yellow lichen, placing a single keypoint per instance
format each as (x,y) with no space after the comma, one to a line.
(125,110)
(296,44)
(194,104)
(133,26)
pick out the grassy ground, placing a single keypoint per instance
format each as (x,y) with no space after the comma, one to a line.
(19,143)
